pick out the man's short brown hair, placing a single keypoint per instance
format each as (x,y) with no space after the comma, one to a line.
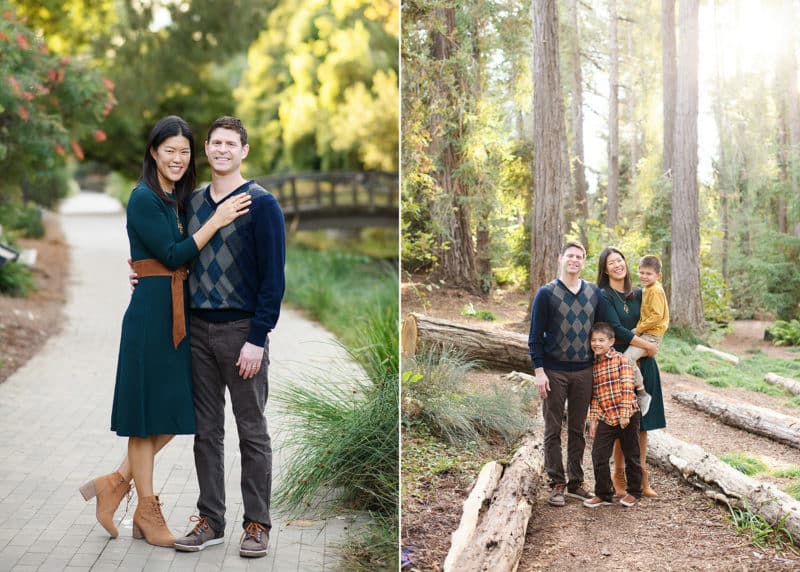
(228,122)
(573,244)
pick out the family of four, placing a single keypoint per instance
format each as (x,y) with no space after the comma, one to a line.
(185,342)
(585,340)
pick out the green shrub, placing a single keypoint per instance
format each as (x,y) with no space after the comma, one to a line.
(434,394)
(470,310)
(787,473)
(16,280)
(783,333)
(26,220)
(762,533)
(348,436)
(744,464)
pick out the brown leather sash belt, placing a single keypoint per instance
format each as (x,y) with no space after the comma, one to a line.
(153,267)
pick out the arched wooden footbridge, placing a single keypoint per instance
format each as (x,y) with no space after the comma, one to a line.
(336,199)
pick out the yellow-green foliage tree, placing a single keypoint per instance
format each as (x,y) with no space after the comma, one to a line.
(321,88)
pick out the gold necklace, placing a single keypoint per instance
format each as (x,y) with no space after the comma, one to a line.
(180,224)
(621,299)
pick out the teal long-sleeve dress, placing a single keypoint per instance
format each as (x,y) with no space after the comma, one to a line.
(153,391)
(623,322)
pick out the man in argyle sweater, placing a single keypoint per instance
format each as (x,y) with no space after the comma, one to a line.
(563,313)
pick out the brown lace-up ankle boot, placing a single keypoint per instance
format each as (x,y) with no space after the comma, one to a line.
(109,489)
(149,523)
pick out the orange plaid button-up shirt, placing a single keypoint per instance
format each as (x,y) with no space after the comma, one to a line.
(613,397)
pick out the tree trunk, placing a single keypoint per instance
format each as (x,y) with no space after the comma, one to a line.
(722,355)
(630,97)
(612,206)
(669,80)
(722,482)
(686,305)
(787,383)
(497,542)
(550,175)
(456,252)
(758,420)
(496,348)
(581,207)
(669,74)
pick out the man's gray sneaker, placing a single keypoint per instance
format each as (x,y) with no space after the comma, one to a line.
(557,495)
(201,536)
(255,540)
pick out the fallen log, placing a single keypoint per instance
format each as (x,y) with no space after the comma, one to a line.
(760,420)
(787,383)
(722,355)
(495,544)
(722,482)
(499,348)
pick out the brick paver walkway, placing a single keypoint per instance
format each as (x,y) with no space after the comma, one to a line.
(54,434)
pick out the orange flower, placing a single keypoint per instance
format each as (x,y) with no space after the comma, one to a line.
(100,135)
(43,48)
(12,81)
(108,83)
(52,75)
(22,42)
(3,36)
(23,113)
(28,95)
(9,15)
(59,149)
(76,149)
(65,60)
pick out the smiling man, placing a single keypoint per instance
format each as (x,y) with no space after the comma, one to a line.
(236,286)
(563,313)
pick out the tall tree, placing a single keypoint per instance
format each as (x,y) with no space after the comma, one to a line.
(612,206)
(686,305)
(669,74)
(456,251)
(550,174)
(580,210)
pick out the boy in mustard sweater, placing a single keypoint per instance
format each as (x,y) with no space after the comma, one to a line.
(653,320)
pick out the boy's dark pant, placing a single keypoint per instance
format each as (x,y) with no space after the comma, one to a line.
(601,452)
(574,387)
(215,349)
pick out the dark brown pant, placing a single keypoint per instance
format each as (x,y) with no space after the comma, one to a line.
(215,349)
(601,451)
(574,388)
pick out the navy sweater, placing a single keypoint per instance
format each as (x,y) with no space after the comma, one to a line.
(561,324)
(239,274)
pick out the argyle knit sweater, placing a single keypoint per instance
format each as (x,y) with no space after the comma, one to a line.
(560,326)
(239,274)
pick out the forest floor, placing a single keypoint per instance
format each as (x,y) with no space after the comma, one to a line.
(27,323)
(681,529)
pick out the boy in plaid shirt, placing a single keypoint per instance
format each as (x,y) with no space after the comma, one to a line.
(613,414)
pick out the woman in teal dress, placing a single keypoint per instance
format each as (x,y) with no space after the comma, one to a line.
(153,391)
(623,306)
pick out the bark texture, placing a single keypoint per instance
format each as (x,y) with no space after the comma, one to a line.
(787,383)
(499,348)
(499,536)
(550,173)
(759,420)
(722,482)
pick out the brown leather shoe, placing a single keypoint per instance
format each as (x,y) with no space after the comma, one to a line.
(109,489)
(149,523)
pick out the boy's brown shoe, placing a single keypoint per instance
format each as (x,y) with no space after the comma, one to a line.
(579,492)
(557,496)
(628,500)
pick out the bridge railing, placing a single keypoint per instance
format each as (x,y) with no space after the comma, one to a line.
(298,192)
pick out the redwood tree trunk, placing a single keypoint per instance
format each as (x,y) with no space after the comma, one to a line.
(669,79)
(456,251)
(581,209)
(686,307)
(612,206)
(550,174)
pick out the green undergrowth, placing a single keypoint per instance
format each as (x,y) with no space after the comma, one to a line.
(762,533)
(339,289)
(679,356)
(788,476)
(744,464)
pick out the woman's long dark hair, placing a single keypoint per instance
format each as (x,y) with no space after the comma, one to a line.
(170,126)
(602,273)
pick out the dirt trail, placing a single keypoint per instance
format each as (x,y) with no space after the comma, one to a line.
(679,530)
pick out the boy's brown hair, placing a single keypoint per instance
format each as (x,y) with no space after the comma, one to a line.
(651,261)
(603,328)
